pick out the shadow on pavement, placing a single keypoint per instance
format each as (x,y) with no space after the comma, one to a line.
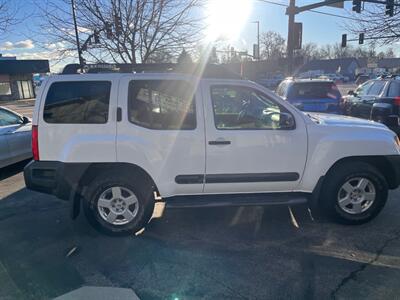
(12,170)
(218,253)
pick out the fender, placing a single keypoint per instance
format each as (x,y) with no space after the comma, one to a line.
(329,144)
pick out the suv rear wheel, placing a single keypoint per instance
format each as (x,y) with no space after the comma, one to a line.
(117,205)
(354,193)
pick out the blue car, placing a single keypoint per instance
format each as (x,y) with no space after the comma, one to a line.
(313,95)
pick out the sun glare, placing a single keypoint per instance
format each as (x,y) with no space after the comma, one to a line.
(226,18)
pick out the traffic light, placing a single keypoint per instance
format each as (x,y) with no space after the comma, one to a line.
(361,38)
(297,35)
(108,29)
(96,37)
(118,25)
(357,6)
(344,40)
(389,8)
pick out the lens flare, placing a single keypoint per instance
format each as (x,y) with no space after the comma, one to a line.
(226,18)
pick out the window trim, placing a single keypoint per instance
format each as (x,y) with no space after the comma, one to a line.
(247,129)
(158,129)
(78,81)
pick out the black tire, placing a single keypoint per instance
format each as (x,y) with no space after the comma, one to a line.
(333,183)
(140,187)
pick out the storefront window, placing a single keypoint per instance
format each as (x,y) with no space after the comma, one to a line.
(5,88)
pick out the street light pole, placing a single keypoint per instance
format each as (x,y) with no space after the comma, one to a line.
(291,12)
(258,39)
(76,34)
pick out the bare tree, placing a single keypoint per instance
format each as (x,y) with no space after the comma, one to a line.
(184,57)
(309,51)
(8,13)
(128,31)
(273,45)
(374,23)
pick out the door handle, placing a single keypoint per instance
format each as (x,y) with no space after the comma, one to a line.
(219,142)
(119,114)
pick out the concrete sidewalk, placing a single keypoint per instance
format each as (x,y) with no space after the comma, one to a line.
(24,102)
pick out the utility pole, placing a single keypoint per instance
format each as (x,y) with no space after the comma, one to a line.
(258,39)
(76,34)
(291,13)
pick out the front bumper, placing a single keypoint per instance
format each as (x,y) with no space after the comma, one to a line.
(54,177)
(394,161)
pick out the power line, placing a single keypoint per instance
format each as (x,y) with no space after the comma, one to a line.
(274,3)
(314,11)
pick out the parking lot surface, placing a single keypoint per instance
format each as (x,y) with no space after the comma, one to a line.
(218,253)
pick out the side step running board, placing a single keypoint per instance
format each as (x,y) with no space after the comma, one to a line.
(236,200)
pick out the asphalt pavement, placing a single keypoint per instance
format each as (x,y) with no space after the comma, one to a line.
(218,253)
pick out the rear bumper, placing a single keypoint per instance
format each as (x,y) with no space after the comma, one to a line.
(53,177)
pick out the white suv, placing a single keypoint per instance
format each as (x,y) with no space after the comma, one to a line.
(109,141)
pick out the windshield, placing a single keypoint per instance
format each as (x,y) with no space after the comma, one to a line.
(314,90)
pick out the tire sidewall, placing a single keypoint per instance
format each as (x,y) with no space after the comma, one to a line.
(336,180)
(98,186)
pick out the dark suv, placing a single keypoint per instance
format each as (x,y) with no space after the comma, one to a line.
(378,100)
(313,95)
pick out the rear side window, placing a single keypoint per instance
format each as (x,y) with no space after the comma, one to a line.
(162,104)
(314,90)
(394,89)
(77,102)
(376,88)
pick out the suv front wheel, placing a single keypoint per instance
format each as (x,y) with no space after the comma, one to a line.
(116,204)
(353,193)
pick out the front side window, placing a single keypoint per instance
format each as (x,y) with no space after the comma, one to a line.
(363,89)
(77,102)
(8,118)
(376,88)
(162,104)
(238,107)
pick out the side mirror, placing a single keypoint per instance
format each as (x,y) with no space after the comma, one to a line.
(286,120)
(25,120)
(351,93)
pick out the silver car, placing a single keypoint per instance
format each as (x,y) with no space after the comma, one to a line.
(15,137)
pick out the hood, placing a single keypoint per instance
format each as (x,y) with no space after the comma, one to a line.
(338,120)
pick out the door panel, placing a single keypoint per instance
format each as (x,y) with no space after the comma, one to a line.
(257,155)
(77,121)
(162,130)
(19,141)
(4,151)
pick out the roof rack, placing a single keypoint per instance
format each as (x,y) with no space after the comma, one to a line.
(207,71)
(394,76)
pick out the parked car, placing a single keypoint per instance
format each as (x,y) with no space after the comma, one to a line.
(110,141)
(361,79)
(377,100)
(15,137)
(313,95)
(271,82)
(336,78)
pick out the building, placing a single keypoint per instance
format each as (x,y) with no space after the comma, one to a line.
(344,66)
(16,77)
(374,66)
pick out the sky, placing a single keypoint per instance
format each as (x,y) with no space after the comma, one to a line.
(21,39)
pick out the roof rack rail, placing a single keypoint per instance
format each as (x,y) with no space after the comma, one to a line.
(207,71)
